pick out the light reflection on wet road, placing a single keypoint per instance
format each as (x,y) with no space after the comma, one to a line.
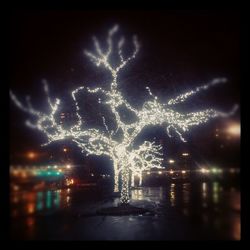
(204,210)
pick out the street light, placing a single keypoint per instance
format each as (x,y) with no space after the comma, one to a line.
(171,161)
(31,155)
(234,129)
(204,170)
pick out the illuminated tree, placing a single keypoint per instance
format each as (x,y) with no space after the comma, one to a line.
(127,159)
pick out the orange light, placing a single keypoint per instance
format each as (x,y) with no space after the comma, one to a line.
(31,155)
(30,208)
(23,174)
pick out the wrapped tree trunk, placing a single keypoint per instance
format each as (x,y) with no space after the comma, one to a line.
(132,180)
(125,186)
(116,177)
(140,179)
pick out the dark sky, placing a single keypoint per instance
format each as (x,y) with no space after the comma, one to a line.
(179,50)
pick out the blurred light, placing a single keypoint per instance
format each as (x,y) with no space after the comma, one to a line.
(68,166)
(204,186)
(234,129)
(68,182)
(55,166)
(15,199)
(92,174)
(31,155)
(214,170)
(48,199)
(16,188)
(215,192)
(185,154)
(31,208)
(67,199)
(172,194)
(159,172)
(57,199)
(183,171)
(171,171)
(148,173)
(65,149)
(204,170)
(15,172)
(215,187)
(39,204)
(23,175)
(232,170)
(171,161)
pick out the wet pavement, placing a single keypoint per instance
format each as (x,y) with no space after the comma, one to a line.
(181,211)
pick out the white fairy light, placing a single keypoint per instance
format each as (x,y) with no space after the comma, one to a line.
(127,160)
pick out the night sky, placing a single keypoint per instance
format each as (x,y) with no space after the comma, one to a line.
(179,50)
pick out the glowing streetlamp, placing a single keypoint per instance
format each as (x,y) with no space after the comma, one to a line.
(31,155)
(234,129)
(204,170)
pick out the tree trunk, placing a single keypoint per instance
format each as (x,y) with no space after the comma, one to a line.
(116,177)
(125,186)
(132,180)
(140,179)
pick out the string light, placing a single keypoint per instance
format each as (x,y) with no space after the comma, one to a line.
(128,160)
